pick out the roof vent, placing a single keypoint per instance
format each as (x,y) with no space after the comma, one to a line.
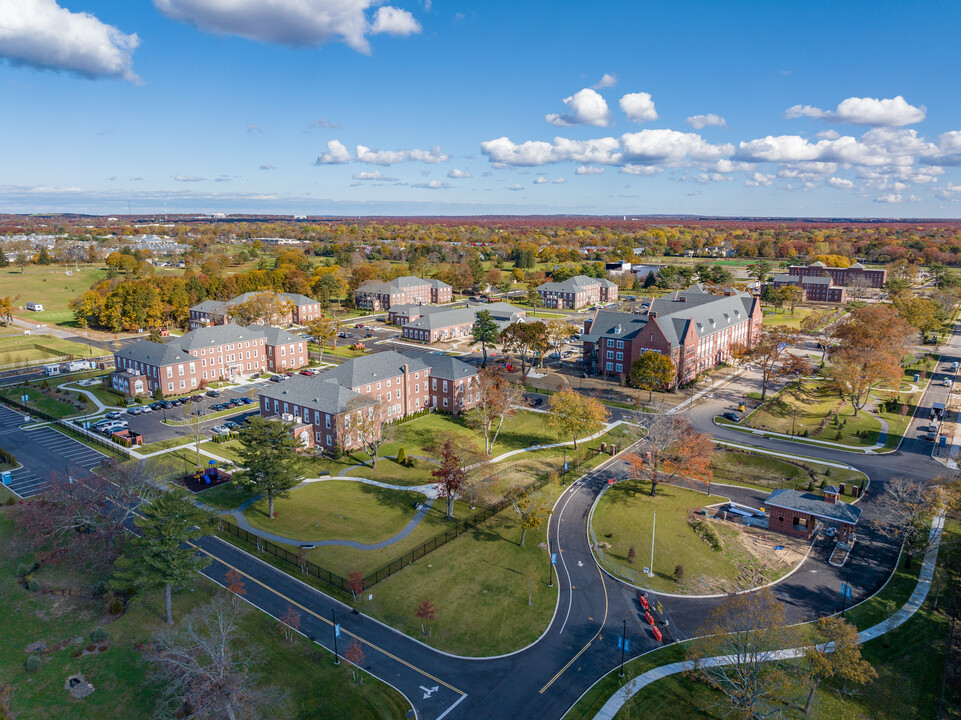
(617,330)
(683,298)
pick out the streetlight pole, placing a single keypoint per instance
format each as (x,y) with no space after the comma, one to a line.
(333,618)
(623,643)
(550,562)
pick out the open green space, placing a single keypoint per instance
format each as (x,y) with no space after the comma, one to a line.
(228,496)
(341,351)
(58,405)
(337,510)
(813,409)
(785,318)
(624,517)
(49,285)
(313,686)
(736,467)
(167,444)
(909,662)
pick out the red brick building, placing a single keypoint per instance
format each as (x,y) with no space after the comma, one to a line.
(221,352)
(816,289)
(427,324)
(692,327)
(217,312)
(577,292)
(378,295)
(793,512)
(844,277)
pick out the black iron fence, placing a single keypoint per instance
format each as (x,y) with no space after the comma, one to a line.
(299,561)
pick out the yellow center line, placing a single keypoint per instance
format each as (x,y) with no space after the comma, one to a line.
(327,620)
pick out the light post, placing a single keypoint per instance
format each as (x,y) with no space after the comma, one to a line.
(333,619)
(564,474)
(550,562)
(623,645)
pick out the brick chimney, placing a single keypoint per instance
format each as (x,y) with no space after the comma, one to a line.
(831,494)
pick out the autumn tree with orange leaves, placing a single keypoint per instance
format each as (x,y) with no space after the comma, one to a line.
(672,448)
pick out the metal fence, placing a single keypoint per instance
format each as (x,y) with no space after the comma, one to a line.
(281,553)
(307,567)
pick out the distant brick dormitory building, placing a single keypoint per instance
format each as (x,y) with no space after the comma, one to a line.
(427,324)
(843,277)
(217,312)
(816,289)
(692,327)
(220,352)
(387,386)
(378,295)
(577,292)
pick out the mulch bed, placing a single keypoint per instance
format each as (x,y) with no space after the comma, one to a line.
(196,486)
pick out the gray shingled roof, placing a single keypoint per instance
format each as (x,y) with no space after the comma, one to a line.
(275,336)
(814,505)
(370,368)
(214,335)
(445,367)
(447,318)
(153,353)
(316,394)
(218,307)
(295,298)
(575,284)
(816,281)
(786,278)
(674,316)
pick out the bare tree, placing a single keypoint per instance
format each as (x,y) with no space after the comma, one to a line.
(367,421)
(497,400)
(904,512)
(739,656)
(202,671)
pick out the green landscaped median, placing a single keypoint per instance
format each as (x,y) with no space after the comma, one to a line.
(38,400)
(712,553)
(337,510)
(737,467)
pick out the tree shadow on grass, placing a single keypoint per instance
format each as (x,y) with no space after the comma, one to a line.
(392,499)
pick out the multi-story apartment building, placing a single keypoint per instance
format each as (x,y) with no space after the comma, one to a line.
(428,324)
(816,289)
(693,327)
(386,386)
(217,312)
(577,292)
(221,352)
(379,295)
(844,277)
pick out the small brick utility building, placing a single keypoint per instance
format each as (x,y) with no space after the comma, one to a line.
(797,513)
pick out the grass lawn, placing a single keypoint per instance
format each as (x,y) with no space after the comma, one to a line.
(764,471)
(805,409)
(341,351)
(337,510)
(49,285)
(225,497)
(785,318)
(623,517)
(314,687)
(166,444)
(479,584)
(389,471)
(44,403)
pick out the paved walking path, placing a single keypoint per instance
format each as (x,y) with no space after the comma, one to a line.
(914,603)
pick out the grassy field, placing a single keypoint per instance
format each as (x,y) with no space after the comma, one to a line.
(909,662)
(337,510)
(763,471)
(166,444)
(313,686)
(785,318)
(624,516)
(49,285)
(804,409)
(44,403)
(225,497)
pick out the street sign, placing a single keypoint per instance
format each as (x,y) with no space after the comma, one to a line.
(647,571)
(846,591)
(553,559)
(660,608)
(24,398)
(337,630)
(567,466)
(627,644)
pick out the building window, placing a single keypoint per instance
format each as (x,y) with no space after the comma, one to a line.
(610,366)
(610,355)
(619,368)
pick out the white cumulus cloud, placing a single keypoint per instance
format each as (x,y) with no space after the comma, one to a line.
(392,157)
(457,174)
(560,181)
(586,106)
(336,154)
(394,21)
(588,170)
(607,80)
(375,175)
(758,179)
(781,148)
(44,35)
(639,107)
(645,170)
(887,112)
(297,23)
(655,146)
(699,122)
(432,185)
(540,180)
(841,183)
(890,198)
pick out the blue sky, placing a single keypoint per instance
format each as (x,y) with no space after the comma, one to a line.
(352,107)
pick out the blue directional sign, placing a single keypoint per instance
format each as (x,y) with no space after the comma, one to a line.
(623,643)
(337,630)
(846,591)
(567,466)
(553,558)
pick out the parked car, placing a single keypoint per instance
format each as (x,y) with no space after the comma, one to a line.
(218,407)
(732,416)
(343,335)
(277,378)
(166,404)
(221,430)
(947,382)
(134,410)
(146,409)
(155,405)
(114,415)
(246,400)
(231,425)
(932,436)
(213,393)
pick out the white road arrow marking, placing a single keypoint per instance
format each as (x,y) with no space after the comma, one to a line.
(580,564)
(429,691)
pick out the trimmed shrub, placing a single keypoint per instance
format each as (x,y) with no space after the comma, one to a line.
(402,456)
(99,635)
(116,607)
(23,570)
(33,663)
(34,586)
(678,572)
